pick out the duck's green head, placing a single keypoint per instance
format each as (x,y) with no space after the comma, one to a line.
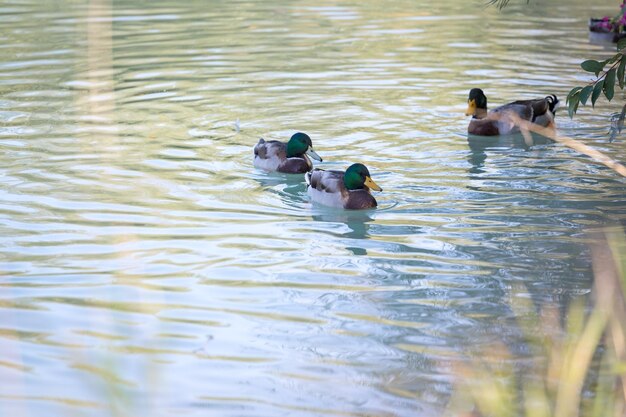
(476,101)
(300,144)
(358,177)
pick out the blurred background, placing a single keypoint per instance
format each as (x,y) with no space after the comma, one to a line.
(147,268)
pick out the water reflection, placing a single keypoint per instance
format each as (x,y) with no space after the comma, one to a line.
(481,145)
(137,239)
(351,224)
(289,190)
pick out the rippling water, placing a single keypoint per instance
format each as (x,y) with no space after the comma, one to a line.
(146,268)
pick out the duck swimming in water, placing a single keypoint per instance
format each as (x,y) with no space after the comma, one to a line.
(348,190)
(501,120)
(291,157)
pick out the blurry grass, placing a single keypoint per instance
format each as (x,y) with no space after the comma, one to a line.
(577,364)
(501,4)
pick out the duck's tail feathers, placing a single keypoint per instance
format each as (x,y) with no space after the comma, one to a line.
(259,149)
(307,178)
(553,102)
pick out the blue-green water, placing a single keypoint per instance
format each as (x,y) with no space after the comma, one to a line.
(146,267)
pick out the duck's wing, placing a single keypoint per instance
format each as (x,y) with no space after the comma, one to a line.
(326,181)
(269,155)
(543,109)
(540,106)
(268,149)
(326,187)
(522,109)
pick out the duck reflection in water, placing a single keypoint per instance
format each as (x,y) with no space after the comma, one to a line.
(479,145)
(346,224)
(357,224)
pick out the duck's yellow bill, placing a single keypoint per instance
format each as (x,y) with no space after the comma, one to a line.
(471,107)
(313,154)
(371,184)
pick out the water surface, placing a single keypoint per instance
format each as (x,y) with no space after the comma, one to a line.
(146,267)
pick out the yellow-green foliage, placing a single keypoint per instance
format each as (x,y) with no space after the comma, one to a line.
(576,369)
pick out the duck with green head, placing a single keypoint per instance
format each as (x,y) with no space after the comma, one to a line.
(291,157)
(348,190)
(499,121)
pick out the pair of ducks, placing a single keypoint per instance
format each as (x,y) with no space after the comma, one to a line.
(347,190)
(351,189)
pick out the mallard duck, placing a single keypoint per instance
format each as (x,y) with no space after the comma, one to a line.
(498,121)
(290,157)
(348,190)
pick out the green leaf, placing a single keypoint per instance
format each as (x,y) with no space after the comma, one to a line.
(609,84)
(573,105)
(621,44)
(585,93)
(591,65)
(573,92)
(596,91)
(620,70)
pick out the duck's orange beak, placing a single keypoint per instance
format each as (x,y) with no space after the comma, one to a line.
(471,108)
(371,184)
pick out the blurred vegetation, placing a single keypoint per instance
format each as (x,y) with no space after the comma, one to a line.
(576,362)
(501,4)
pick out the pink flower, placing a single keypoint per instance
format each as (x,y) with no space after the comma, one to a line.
(605,24)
